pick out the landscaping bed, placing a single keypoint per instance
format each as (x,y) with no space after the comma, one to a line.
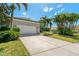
(66,38)
(73,39)
(13,48)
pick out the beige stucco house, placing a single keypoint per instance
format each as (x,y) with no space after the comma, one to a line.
(27,27)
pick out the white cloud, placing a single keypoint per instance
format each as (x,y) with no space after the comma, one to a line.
(58,11)
(50,9)
(55,13)
(62,9)
(60,5)
(24,13)
(47,9)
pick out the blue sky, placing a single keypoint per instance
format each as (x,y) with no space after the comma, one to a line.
(37,10)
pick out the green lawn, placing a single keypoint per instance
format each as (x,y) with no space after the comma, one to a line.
(73,39)
(13,48)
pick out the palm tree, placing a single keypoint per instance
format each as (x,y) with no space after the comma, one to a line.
(10,9)
(49,21)
(73,20)
(45,23)
(66,22)
(4,14)
(13,7)
(42,23)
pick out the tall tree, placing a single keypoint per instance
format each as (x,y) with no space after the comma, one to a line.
(66,22)
(13,7)
(45,23)
(4,20)
(9,9)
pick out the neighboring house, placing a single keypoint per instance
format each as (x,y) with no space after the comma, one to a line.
(77,28)
(27,27)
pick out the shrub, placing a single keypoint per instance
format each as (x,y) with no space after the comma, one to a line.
(54,31)
(47,29)
(47,33)
(13,35)
(8,35)
(4,28)
(44,29)
(15,28)
(69,32)
(66,31)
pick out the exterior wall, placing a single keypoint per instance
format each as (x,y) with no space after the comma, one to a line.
(27,29)
(27,26)
(77,28)
(38,29)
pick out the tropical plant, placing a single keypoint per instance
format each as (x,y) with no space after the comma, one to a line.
(49,20)
(8,9)
(45,23)
(8,35)
(4,20)
(13,7)
(7,31)
(66,22)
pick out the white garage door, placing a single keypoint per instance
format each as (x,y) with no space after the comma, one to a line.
(27,29)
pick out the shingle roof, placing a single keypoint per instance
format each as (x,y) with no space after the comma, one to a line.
(26,19)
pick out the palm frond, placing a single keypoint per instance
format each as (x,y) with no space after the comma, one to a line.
(25,5)
(18,4)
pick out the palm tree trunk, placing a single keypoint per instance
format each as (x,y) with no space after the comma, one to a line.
(12,14)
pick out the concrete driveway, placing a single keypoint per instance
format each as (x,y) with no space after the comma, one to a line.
(46,46)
